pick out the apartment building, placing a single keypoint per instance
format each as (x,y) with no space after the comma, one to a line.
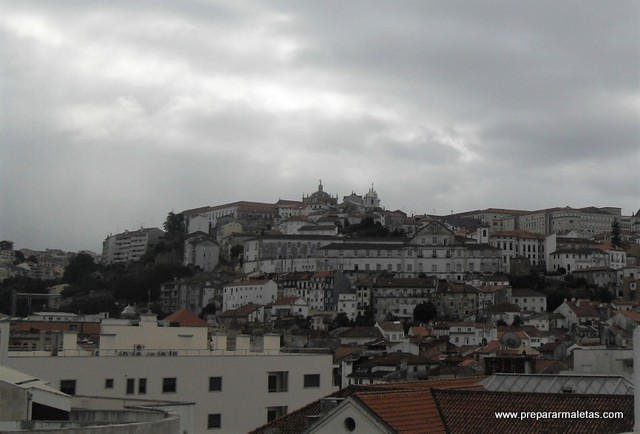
(519,243)
(433,250)
(238,294)
(192,294)
(232,391)
(399,297)
(284,253)
(129,246)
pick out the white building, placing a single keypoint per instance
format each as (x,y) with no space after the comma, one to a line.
(519,243)
(529,300)
(348,305)
(201,251)
(576,259)
(233,391)
(129,246)
(238,294)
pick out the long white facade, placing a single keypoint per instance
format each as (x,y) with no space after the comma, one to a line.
(233,391)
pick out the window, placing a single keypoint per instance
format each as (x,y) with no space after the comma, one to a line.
(278,381)
(312,380)
(214,421)
(215,384)
(276,412)
(169,385)
(142,386)
(130,385)
(68,387)
(108,383)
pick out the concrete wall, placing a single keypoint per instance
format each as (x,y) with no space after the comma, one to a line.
(125,337)
(242,402)
(166,424)
(13,402)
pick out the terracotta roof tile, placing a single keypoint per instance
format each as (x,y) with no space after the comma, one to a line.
(454,408)
(186,319)
(296,421)
(407,412)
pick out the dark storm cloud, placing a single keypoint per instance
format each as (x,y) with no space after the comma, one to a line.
(115,113)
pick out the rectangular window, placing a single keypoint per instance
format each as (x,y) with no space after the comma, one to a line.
(130,386)
(68,387)
(214,421)
(312,380)
(276,412)
(278,381)
(108,383)
(215,384)
(169,385)
(142,386)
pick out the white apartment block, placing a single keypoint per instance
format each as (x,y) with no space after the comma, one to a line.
(129,246)
(233,391)
(519,243)
(238,294)
(576,259)
(469,333)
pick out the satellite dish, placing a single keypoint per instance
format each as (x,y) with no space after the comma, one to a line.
(511,340)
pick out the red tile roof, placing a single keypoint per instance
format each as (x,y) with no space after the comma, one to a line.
(406,412)
(582,308)
(186,319)
(391,326)
(285,301)
(633,316)
(296,421)
(455,405)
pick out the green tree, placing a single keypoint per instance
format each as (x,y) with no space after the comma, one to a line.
(79,266)
(425,312)
(341,320)
(174,224)
(19,257)
(616,233)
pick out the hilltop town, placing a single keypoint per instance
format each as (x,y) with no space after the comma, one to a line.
(311,300)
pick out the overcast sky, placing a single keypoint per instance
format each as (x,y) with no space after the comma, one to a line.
(114,113)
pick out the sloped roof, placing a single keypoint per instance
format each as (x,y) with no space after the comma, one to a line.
(242,311)
(583,308)
(186,319)
(296,421)
(541,383)
(454,408)
(633,316)
(419,331)
(407,412)
(391,326)
(362,332)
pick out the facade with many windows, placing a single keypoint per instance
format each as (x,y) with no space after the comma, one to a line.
(129,246)
(215,380)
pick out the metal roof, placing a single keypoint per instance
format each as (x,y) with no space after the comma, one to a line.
(541,383)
